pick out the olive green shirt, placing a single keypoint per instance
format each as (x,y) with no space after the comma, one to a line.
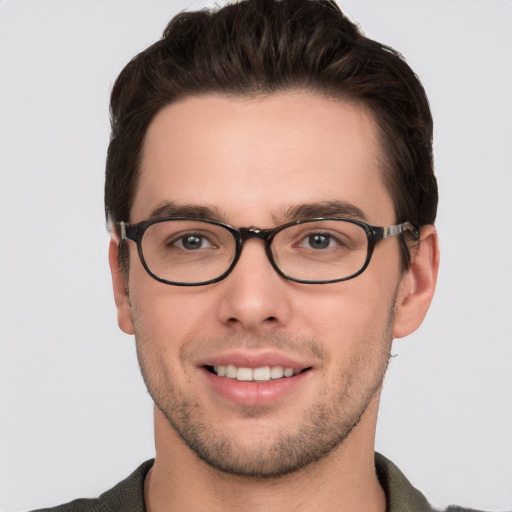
(128,495)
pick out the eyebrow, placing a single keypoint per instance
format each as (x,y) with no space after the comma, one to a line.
(171,209)
(333,208)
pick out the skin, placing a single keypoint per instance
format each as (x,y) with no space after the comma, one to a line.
(310,446)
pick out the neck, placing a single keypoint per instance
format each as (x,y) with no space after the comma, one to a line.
(343,480)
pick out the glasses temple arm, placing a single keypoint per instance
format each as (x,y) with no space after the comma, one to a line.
(388,231)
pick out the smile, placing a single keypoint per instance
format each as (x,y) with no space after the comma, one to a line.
(261,374)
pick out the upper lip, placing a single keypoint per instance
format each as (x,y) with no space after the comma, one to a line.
(256,360)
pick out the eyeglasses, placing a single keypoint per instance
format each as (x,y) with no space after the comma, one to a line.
(191,252)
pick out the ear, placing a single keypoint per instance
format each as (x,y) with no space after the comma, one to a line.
(121,296)
(418,284)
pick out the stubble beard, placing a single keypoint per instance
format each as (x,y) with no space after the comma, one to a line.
(325,426)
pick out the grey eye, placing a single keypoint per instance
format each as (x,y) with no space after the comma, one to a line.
(318,241)
(192,242)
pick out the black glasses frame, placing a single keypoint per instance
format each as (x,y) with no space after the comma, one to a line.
(374,234)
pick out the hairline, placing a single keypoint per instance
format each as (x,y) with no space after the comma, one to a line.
(384,165)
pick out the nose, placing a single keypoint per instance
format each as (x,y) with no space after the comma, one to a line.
(254,296)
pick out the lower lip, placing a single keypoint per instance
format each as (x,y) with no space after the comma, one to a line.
(254,393)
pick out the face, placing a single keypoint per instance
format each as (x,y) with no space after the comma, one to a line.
(253,162)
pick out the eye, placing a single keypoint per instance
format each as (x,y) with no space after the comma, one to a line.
(319,241)
(192,242)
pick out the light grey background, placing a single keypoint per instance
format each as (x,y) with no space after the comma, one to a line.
(74,414)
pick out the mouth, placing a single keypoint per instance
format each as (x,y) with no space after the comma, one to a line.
(256,379)
(260,374)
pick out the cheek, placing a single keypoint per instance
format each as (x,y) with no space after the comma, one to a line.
(168,316)
(351,307)
(348,313)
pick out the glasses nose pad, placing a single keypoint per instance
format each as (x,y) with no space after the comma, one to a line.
(266,236)
(246,234)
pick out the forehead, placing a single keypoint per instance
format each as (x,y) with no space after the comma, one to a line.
(252,159)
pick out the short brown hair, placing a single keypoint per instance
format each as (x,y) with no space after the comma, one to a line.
(256,47)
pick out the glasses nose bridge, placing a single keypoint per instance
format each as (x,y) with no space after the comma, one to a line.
(253,232)
(265,235)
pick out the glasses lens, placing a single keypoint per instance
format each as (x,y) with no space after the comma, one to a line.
(189,251)
(324,250)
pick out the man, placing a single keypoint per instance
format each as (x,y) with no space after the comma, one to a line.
(271,196)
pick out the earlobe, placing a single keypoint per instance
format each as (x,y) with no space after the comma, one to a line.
(121,296)
(418,284)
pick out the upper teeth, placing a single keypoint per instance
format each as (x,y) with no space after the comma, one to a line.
(259,374)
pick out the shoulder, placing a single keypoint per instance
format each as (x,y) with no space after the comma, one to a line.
(454,508)
(127,495)
(400,493)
